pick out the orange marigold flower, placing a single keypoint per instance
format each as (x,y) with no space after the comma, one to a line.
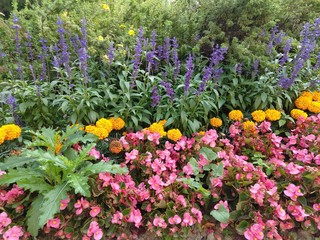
(314,107)
(316,96)
(307,94)
(174,134)
(163,122)
(117,123)
(249,126)
(115,146)
(296,113)
(303,102)
(98,131)
(215,122)
(201,133)
(2,135)
(236,115)
(12,131)
(258,115)
(273,115)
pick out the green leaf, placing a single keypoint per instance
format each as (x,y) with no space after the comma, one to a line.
(15,175)
(208,153)
(16,161)
(103,167)
(35,184)
(80,184)
(194,165)
(51,203)
(242,226)
(190,182)
(264,97)
(222,214)
(217,170)
(33,216)
(282,122)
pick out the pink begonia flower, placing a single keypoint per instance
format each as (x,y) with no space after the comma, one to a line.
(13,194)
(293,191)
(156,183)
(64,203)
(85,237)
(4,221)
(216,182)
(158,166)
(298,212)
(80,205)
(181,144)
(131,155)
(95,153)
(117,217)
(294,169)
(187,169)
(181,200)
(265,126)
(255,232)
(286,225)
(188,220)
(159,222)
(280,212)
(13,233)
(174,220)
(197,213)
(95,210)
(154,137)
(106,178)
(135,217)
(315,206)
(257,193)
(317,159)
(95,230)
(210,138)
(124,143)
(302,155)
(2,172)
(53,223)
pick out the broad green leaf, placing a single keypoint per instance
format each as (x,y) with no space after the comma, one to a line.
(242,226)
(190,182)
(80,184)
(217,170)
(194,165)
(51,203)
(222,214)
(208,153)
(33,216)
(35,184)
(15,175)
(264,97)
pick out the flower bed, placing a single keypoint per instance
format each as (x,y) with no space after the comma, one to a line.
(250,183)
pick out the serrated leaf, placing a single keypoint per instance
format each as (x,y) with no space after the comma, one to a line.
(222,214)
(103,167)
(15,175)
(33,216)
(208,153)
(34,184)
(80,184)
(51,203)
(16,161)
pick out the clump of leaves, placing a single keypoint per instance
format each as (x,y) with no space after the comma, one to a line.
(51,168)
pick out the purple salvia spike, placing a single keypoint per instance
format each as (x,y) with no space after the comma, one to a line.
(190,69)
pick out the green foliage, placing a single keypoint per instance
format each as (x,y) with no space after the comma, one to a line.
(222,214)
(51,168)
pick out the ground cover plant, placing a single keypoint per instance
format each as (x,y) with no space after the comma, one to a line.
(111,129)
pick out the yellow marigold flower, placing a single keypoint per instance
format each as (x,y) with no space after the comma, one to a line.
(249,126)
(258,115)
(316,96)
(98,131)
(296,113)
(273,115)
(201,133)
(174,134)
(117,123)
(105,123)
(12,131)
(131,32)
(157,127)
(307,94)
(303,102)
(100,38)
(163,122)
(314,107)
(2,135)
(105,7)
(215,122)
(236,115)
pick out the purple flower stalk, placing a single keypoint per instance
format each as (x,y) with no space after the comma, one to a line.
(110,54)
(286,50)
(169,90)
(65,55)
(217,55)
(150,56)
(190,69)
(18,46)
(175,58)
(238,68)
(12,102)
(285,82)
(83,51)
(255,68)
(273,32)
(29,46)
(137,56)
(166,50)
(155,97)
(205,79)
